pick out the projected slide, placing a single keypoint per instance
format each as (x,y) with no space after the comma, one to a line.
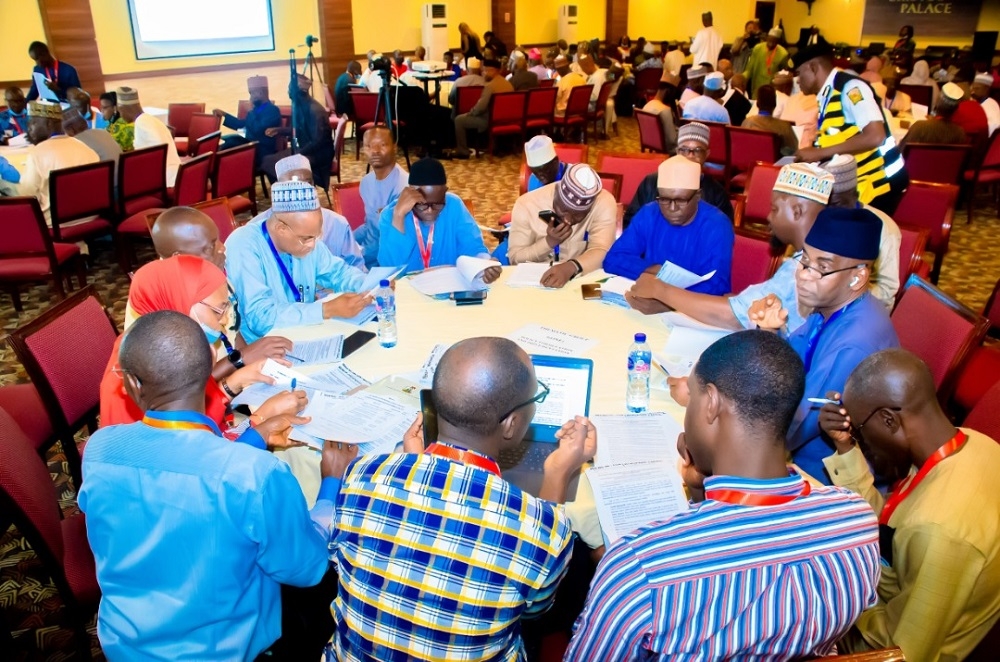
(187,28)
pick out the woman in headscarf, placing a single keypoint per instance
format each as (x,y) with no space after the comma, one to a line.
(197,288)
(871,72)
(922,76)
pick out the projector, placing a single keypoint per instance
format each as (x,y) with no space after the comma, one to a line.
(429,66)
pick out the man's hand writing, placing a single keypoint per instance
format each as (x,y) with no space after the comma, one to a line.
(347,305)
(289,403)
(275,431)
(834,421)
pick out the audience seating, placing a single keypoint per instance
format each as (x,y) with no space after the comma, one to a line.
(717,165)
(27,252)
(600,109)
(75,195)
(738,201)
(201,124)
(982,369)
(986,171)
(243,108)
(338,152)
(233,178)
(142,180)
(67,372)
(747,147)
(612,183)
(207,144)
(922,94)
(218,210)
(929,206)
(466,98)
(28,500)
(179,120)
(540,109)
(365,104)
(25,406)
(577,108)
(985,415)
(348,203)
(753,260)
(759,185)
(632,167)
(912,246)
(647,82)
(506,116)
(938,329)
(942,164)
(547,82)
(652,137)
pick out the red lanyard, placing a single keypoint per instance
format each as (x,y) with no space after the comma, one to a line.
(55,69)
(425,251)
(16,123)
(770,58)
(464,456)
(741,498)
(901,491)
(175,425)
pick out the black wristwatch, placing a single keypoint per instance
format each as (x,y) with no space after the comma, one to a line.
(236,358)
(579,269)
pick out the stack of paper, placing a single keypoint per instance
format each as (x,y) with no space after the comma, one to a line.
(538,339)
(688,339)
(678,276)
(336,380)
(317,350)
(467,274)
(613,291)
(528,274)
(377,421)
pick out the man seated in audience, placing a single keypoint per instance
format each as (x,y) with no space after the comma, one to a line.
(52,150)
(799,108)
(311,128)
(478,117)
(191,569)
(398,64)
(577,241)
(663,105)
(98,140)
(650,60)
(707,107)
(521,78)
(452,66)
(939,593)
(275,265)
(123,132)
(695,85)
(262,116)
(896,102)
(546,168)
(474,78)
(710,583)
(567,81)
(535,64)
(59,75)
(692,144)
(969,115)
(426,226)
(342,88)
(764,120)
(595,76)
(678,229)
(735,100)
(80,100)
(980,93)
(13,118)
(941,128)
(404,591)
(148,129)
(381,186)
(673,60)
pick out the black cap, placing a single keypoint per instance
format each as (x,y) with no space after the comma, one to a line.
(492,63)
(851,233)
(822,49)
(427,172)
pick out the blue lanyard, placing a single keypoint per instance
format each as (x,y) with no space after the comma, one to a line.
(813,340)
(296,291)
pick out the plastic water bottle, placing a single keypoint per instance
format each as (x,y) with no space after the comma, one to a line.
(639,358)
(385,303)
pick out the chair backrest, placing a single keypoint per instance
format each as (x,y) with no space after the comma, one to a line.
(718,143)
(207,144)
(23,232)
(579,101)
(602,98)
(142,172)
(648,80)
(572,152)
(233,171)
(81,191)
(179,116)
(365,104)
(467,97)
(632,167)
(938,329)
(928,162)
(191,186)
(612,183)
(218,210)
(651,133)
(547,82)
(243,108)
(760,184)
(67,372)
(203,124)
(747,146)
(738,202)
(286,115)
(912,245)
(507,108)
(991,156)
(348,203)
(541,103)
(929,206)
(922,94)
(753,261)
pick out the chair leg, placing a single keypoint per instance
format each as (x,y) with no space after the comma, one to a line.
(936,269)
(81,273)
(57,282)
(263,185)
(73,459)
(252,194)
(968,203)
(15,295)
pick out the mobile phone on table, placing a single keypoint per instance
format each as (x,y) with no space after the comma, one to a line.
(430,417)
(591,290)
(354,342)
(549,217)
(469,297)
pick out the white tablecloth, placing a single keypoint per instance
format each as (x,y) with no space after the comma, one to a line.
(17,156)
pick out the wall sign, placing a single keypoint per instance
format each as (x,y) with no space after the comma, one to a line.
(953,18)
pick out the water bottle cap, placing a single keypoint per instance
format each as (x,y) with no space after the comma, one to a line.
(640,337)
(383,283)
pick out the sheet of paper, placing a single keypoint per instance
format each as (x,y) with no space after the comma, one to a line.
(690,343)
(670,366)
(430,365)
(19,141)
(630,496)
(472,268)
(359,418)
(919,111)
(538,339)
(443,280)
(678,276)
(281,375)
(636,438)
(378,274)
(337,380)
(399,388)
(613,291)
(255,395)
(317,350)
(674,319)
(43,90)
(528,274)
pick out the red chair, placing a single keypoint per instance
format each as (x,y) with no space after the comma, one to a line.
(759,185)
(232,177)
(753,261)
(577,108)
(179,120)
(25,406)
(612,183)
(647,82)
(201,124)
(66,371)
(991,311)
(652,137)
(738,201)
(218,210)
(912,245)
(572,152)
(717,164)
(540,110)
(600,108)
(338,152)
(365,104)
(942,164)
(547,82)
(243,109)
(982,369)
(27,252)
(78,193)
(466,98)
(28,499)
(207,144)
(938,329)
(747,147)
(922,94)
(348,203)
(986,171)
(632,167)
(142,180)
(506,116)
(985,415)
(929,206)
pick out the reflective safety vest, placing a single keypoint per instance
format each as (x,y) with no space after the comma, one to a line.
(876,168)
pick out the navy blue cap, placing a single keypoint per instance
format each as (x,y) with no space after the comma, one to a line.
(853,233)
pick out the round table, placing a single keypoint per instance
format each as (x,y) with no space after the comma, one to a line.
(17,156)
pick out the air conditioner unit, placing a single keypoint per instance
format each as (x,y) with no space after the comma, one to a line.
(434,31)
(567,23)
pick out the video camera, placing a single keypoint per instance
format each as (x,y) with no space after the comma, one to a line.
(381,65)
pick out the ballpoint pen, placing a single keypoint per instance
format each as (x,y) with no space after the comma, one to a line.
(824,401)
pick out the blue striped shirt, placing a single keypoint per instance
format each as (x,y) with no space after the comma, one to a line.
(724,581)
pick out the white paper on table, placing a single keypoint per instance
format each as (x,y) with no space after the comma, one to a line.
(535,338)
(690,343)
(919,111)
(672,366)
(467,274)
(255,395)
(358,418)
(636,438)
(318,350)
(674,319)
(528,274)
(281,375)
(19,141)
(43,90)
(429,367)
(617,285)
(337,380)
(376,275)
(630,496)
(678,276)
(402,390)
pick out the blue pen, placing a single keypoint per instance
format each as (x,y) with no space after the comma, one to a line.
(294,381)
(555,252)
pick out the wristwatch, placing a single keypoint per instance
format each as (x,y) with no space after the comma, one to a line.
(579,268)
(236,358)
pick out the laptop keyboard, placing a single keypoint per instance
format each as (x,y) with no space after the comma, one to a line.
(528,456)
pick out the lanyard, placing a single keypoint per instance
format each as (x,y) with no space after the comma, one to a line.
(425,251)
(54,76)
(296,292)
(464,456)
(16,123)
(813,340)
(901,491)
(741,498)
(175,421)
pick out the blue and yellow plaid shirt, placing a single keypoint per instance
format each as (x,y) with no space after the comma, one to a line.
(438,560)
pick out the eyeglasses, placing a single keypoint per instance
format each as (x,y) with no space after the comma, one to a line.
(543,392)
(856,431)
(305,241)
(691,151)
(678,203)
(221,312)
(425,206)
(803,261)
(121,372)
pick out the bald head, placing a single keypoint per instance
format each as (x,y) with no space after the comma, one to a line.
(892,376)
(187,231)
(165,357)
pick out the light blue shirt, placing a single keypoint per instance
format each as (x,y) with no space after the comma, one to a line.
(337,236)
(455,234)
(706,109)
(377,194)
(192,535)
(266,299)
(782,285)
(96,120)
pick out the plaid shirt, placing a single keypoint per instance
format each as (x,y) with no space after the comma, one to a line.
(438,560)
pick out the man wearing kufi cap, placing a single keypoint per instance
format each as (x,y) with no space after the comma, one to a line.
(706,108)
(546,168)
(940,128)
(311,130)
(677,232)
(582,229)
(427,226)
(149,129)
(695,85)
(536,66)
(766,59)
(277,264)
(980,92)
(262,115)
(707,42)
(969,115)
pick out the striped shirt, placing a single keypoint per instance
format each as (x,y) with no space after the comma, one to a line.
(438,560)
(724,581)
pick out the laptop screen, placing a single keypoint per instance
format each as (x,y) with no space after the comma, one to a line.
(569,382)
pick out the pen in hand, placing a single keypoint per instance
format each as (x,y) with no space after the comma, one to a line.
(823,401)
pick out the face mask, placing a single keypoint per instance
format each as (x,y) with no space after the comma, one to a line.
(212,334)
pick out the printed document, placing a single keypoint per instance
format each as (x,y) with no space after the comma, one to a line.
(636,438)
(317,350)
(358,418)
(630,496)
(538,339)
(678,276)
(528,274)
(467,274)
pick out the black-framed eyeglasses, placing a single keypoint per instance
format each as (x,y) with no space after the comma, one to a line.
(543,392)
(803,261)
(676,202)
(305,241)
(691,151)
(856,431)
(425,206)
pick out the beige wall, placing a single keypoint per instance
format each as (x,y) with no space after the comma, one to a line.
(538,20)
(391,24)
(18,28)
(659,20)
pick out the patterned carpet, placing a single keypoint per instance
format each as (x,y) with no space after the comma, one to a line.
(30,604)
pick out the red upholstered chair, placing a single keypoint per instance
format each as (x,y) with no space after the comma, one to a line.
(652,137)
(28,254)
(717,164)
(596,116)
(929,206)
(179,120)
(66,371)
(938,329)
(540,110)
(912,246)
(232,177)
(77,193)
(547,82)
(991,311)
(739,204)
(28,499)
(632,167)
(572,152)
(982,369)
(218,210)
(647,82)
(747,147)
(759,185)
(348,203)
(881,655)
(577,108)
(922,94)
(201,124)
(365,104)
(466,98)
(985,171)
(985,415)
(506,116)
(338,152)
(612,183)
(243,108)
(207,144)
(142,180)
(942,164)
(25,406)
(753,261)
